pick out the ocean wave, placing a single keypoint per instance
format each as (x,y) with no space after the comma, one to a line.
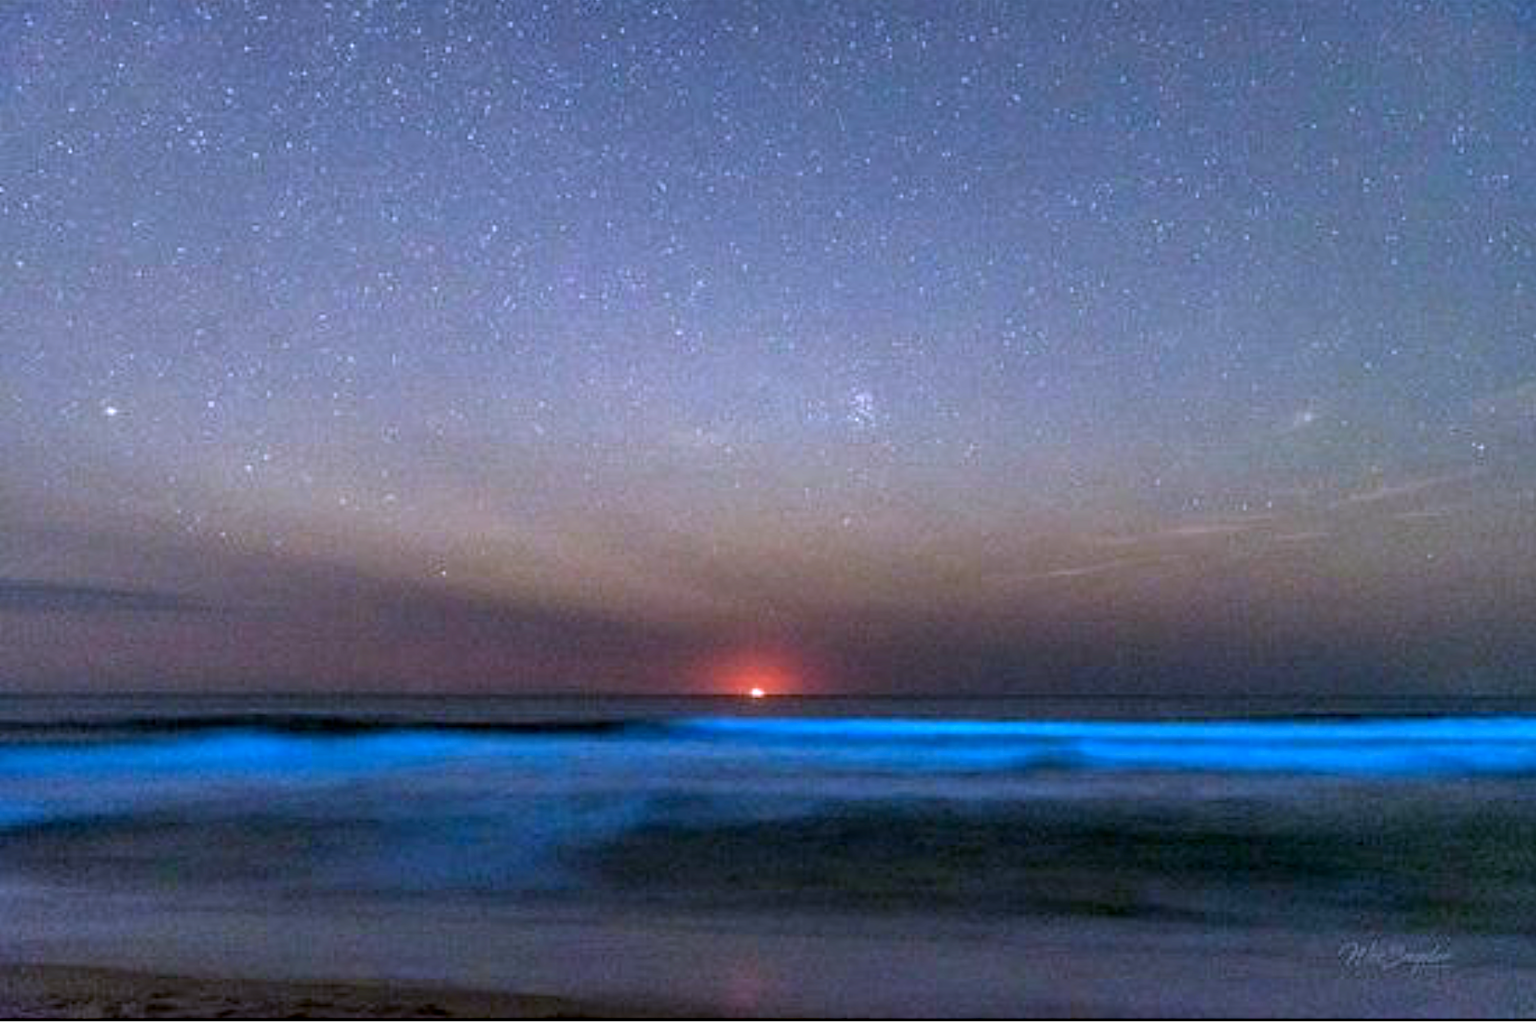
(1441,746)
(755,768)
(1091,816)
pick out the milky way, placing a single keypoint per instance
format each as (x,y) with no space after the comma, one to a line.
(923,347)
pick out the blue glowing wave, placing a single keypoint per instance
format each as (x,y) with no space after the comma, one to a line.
(1431,747)
(1408,746)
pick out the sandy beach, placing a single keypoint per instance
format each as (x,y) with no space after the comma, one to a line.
(67,991)
(351,961)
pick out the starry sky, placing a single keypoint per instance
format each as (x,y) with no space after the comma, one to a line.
(996,347)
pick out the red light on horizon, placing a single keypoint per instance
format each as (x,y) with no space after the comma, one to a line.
(753,676)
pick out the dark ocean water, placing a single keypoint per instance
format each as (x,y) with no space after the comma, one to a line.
(1409,817)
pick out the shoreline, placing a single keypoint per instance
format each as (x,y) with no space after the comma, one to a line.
(56,990)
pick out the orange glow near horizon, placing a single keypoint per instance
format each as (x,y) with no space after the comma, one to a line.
(754,676)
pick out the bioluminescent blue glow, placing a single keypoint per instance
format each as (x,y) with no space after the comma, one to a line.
(918,729)
(421,808)
(1434,746)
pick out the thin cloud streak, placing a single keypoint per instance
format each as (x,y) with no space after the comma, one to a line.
(1383,493)
(33,596)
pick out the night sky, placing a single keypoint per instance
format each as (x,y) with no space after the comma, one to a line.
(931,347)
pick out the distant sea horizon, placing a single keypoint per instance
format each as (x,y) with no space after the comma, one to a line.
(449,708)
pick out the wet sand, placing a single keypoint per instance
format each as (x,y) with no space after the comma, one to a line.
(67,991)
(435,960)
